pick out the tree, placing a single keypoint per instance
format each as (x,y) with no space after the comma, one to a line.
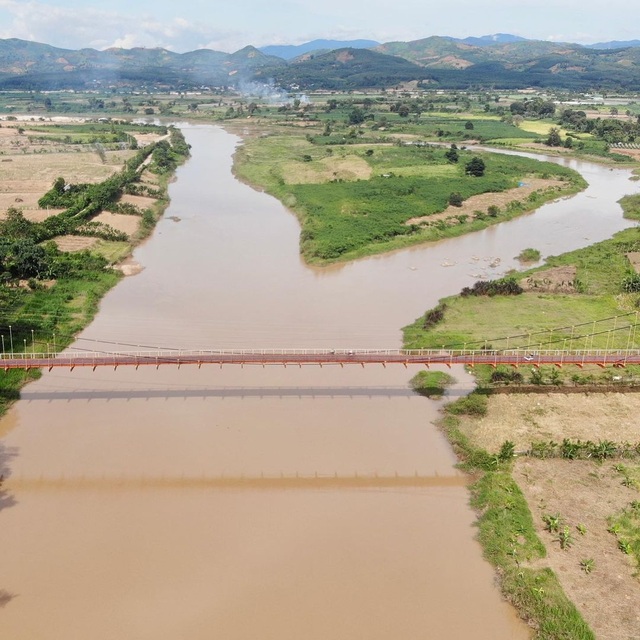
(23,259)
(455,199)
(546,109)
(468,125)
(475,167)
(554,139)
(451,155)
(403,110)
(15,226)
(356,116)
(59,185)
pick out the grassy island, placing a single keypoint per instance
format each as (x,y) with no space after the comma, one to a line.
(359,199)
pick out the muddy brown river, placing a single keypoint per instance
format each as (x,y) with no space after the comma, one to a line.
(257,503)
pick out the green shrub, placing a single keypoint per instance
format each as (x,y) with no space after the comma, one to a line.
(455,199)
(434,316)
(529,255)
(475,404)
(431,383)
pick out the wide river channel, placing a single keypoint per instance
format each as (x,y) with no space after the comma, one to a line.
(275,503)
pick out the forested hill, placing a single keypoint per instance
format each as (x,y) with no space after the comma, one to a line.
(32,65)
(489,62)
(346,69)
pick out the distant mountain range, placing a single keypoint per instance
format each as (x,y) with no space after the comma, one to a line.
(25,64)
(290,51)
(496,61)
(485,41)
(615,44)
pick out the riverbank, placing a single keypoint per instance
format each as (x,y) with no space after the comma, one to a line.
(584,299)
(507,532)
(76,233)
(547,518)
(560,518)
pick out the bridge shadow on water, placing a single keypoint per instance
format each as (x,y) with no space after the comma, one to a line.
(33,395)
(6,499)
(282,482)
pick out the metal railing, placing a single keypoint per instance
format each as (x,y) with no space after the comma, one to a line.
(517,357)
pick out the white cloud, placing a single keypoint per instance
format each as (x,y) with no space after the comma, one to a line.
(128,41)
(98,28)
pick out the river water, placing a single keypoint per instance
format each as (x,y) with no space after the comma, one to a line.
(257,503)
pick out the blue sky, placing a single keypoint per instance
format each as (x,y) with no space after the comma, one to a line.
(232,24)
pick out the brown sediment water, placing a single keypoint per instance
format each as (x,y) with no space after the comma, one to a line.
(271,503)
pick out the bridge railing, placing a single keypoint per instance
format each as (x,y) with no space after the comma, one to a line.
(518,355)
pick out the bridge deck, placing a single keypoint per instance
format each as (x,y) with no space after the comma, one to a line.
(319,357)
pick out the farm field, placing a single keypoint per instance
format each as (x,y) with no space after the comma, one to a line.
(65,219)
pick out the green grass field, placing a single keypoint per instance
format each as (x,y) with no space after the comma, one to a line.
(546,318)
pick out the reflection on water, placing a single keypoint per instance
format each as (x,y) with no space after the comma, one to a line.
(271,503)
(226,392)
(282,482)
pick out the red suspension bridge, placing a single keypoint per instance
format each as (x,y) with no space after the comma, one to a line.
(321,357)
(605,342)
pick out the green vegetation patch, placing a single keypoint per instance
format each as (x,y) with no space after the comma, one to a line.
(341,218)
(431,383)
(509,142)
(475,404)
(545,320)
(529,255)
(344,219)
(631,206)
(532,320)
(484,130)
(46,319)
(626,527)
